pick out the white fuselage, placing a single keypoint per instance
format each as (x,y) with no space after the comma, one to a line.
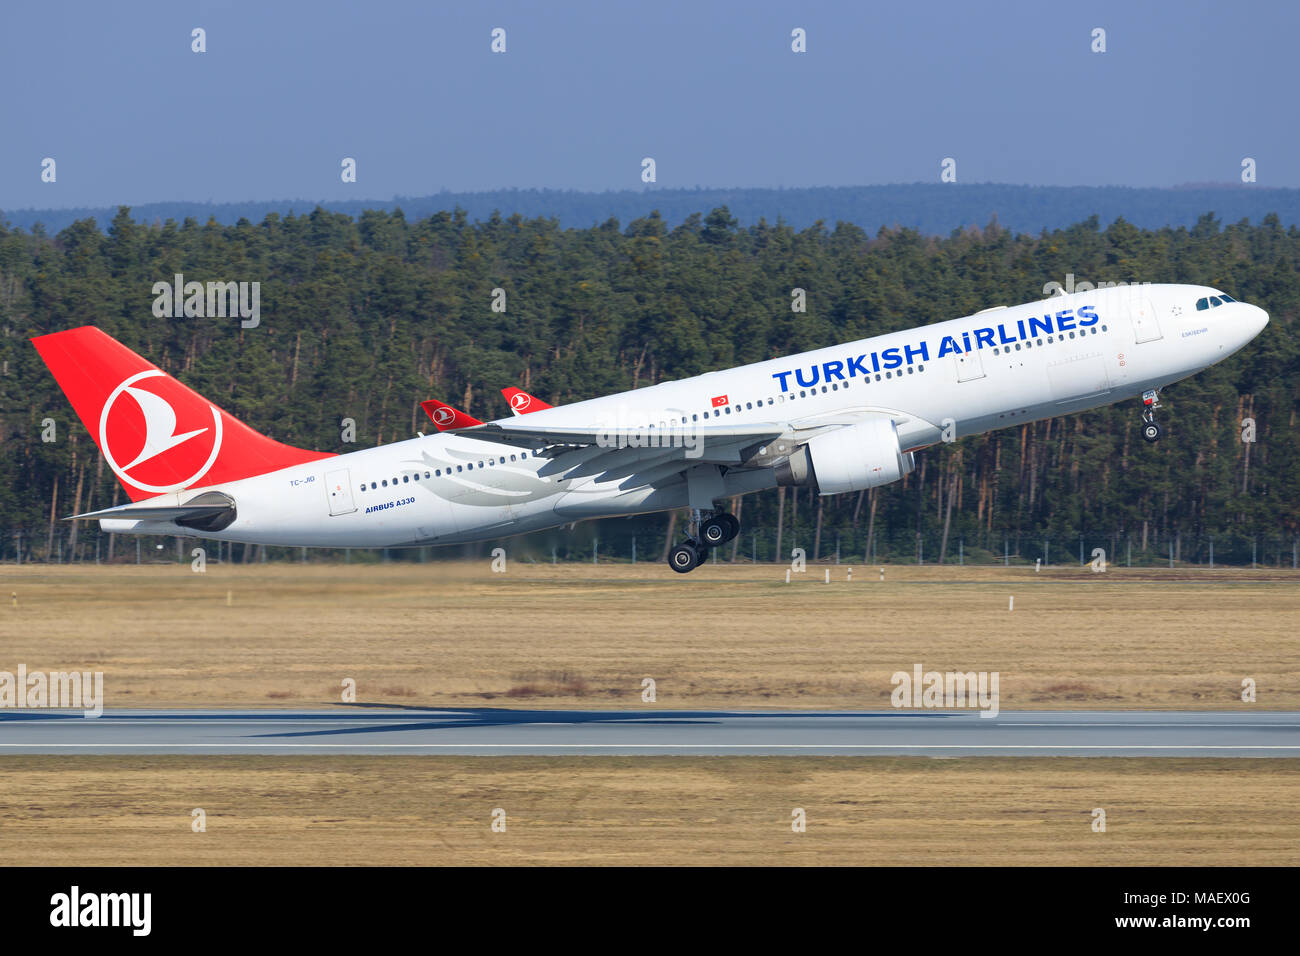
(937,382)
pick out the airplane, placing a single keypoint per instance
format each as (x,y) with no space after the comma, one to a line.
(837,419)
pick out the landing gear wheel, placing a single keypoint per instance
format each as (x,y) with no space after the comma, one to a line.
(685,557)
(1151,429)
(733,525)
(719,530)
(713,532)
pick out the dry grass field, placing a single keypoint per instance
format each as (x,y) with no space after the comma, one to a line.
(455,634)
(647,811)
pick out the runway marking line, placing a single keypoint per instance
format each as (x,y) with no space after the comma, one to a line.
(577,746)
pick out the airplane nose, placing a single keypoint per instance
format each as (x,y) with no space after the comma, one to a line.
(1257,319)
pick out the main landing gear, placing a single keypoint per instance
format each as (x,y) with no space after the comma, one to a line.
(704,533)
(1151,430)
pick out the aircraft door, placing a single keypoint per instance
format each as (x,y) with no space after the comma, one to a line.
(969,365)
(339,488)
(1146,327)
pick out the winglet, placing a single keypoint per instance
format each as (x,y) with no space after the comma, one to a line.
(521,403)
(445,418)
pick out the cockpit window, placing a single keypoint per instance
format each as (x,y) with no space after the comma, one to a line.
(1226,298)
(1202,304)
(1215,302)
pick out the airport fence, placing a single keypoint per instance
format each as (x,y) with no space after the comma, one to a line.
(623,541)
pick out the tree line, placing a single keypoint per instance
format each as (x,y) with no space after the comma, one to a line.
(932,208)
(362,318)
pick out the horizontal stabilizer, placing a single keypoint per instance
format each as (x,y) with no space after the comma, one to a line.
(210,511)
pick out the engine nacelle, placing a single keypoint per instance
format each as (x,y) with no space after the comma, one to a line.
(849,459)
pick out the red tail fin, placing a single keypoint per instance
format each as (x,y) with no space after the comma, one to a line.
(445,418)
(521,403)
(156,434)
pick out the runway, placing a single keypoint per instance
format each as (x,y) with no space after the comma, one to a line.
(646,732)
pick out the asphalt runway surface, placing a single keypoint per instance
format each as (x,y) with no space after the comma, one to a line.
(647,732)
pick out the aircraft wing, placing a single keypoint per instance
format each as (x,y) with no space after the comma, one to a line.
(720,444)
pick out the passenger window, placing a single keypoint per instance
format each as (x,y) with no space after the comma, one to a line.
(461,467)
(385,482)
(406,479)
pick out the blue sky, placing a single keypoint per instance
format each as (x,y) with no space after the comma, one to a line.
(711,90)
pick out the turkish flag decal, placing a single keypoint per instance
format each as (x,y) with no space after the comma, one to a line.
(719,401)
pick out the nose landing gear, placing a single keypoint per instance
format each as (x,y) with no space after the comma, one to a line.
(703,534)
(1151,429)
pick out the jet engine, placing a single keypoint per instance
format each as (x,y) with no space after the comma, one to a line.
(850,458)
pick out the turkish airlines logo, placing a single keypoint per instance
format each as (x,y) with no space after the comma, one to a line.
(719,401)
(520,401)
(142,426)
(444,416)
